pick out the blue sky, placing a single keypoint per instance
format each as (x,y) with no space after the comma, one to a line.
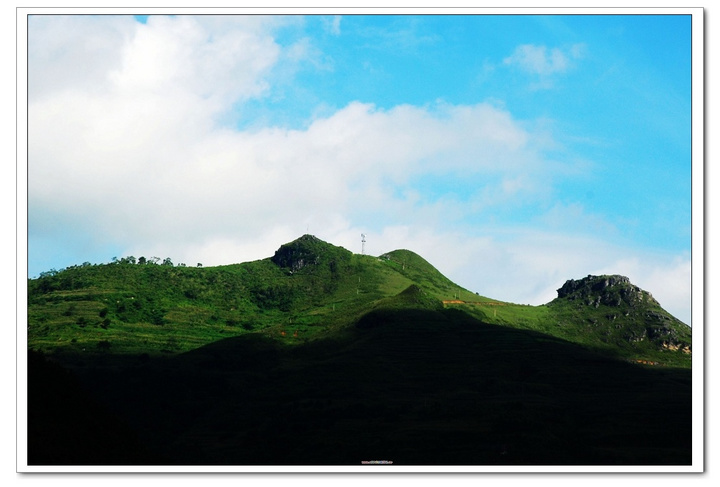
(514,152)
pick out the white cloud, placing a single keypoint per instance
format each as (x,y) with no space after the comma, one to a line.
(543,61)
(74,52)
(155,167)
(332,24)
(179,57)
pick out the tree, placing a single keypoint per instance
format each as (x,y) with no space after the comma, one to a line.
(167,262)
(157,317)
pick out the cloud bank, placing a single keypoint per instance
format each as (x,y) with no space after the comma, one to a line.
(130,146)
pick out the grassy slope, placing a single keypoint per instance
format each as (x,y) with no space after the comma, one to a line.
(619,331)
(156,309)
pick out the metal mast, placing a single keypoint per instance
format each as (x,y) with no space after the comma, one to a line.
(362,236)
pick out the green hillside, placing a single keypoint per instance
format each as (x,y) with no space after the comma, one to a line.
(605,313)
(317,356)
(309,289)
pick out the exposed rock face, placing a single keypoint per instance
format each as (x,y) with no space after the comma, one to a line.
(298,254)
(313,255)
(608,290)
(635,315)
(684,348)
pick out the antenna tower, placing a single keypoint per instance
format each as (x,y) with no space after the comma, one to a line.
(362,236)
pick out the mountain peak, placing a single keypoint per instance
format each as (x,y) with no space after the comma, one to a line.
(305,251)
(610,290)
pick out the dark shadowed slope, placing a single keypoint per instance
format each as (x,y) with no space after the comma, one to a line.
(418,387)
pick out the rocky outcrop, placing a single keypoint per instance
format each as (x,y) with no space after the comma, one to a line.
(298,254)
(309,251)
(610,290)
(625,311)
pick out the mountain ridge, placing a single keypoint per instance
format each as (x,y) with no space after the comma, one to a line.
(309,288)
(318,356)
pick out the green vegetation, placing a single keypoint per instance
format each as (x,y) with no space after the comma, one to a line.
(311,289)
(320,356)
(604,313)
(308,286)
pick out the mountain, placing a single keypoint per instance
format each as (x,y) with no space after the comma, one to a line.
(308,289)
(617,312)
(308,286)
(320,356)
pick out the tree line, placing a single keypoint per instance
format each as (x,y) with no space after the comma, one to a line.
(151,260)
